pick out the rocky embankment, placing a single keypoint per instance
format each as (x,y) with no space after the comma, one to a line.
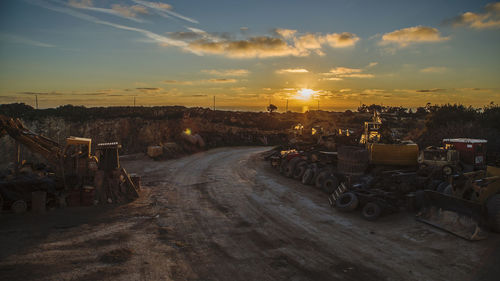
(136,128)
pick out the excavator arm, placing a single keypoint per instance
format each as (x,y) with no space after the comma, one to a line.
(46,147)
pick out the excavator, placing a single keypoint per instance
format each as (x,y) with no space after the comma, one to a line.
(76,169)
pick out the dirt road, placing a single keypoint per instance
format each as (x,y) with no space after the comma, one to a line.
(225,215)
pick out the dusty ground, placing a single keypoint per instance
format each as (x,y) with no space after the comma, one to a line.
(225,215)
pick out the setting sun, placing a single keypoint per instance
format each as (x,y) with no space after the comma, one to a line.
(305,94)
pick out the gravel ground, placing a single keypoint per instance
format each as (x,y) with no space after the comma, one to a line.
(224,214)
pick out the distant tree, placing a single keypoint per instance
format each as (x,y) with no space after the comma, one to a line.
(363,108)
(348,113)
(375,107)
(271,108)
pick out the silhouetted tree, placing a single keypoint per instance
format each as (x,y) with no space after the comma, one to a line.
(271,108)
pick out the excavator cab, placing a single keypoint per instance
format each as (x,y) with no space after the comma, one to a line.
(371,132)
(78,147)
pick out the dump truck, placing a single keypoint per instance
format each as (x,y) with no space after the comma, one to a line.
(78,174)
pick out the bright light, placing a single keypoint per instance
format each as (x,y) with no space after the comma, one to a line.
(305,94)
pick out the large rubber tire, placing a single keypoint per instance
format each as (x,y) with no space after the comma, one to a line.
(320,178)
(448,190)
(308,176)
(347,202)
(330,184)
(493,207)
(19,207)
(1,203)
(441,187)
(283,165)
(299,170)
(291,166)
(371,211)
(447,170)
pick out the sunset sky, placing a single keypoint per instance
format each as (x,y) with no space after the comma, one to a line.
(247,53)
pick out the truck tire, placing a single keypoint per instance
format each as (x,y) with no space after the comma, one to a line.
(300,168)
(371,211)
(283,165)
(308,176)
(320,178)
(442,186)
(493,207)
(291,166)
(19,207)
(447,170)
(330,184)
(347,202)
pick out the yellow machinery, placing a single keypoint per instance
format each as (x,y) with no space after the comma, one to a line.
(75,166)
(401,154)
(404,154)
(467,205)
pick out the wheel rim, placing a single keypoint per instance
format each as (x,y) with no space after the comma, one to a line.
(447,170)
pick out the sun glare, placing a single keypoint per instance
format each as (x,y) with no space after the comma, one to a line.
(305,94)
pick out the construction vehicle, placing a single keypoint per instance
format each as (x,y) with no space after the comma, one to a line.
(371,132)
(457,155)
(76,169)
(446,160)
(468,206)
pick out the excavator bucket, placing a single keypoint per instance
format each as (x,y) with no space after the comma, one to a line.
(457,216)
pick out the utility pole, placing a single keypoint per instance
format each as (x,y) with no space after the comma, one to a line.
(134,101)
(36,101)
(214,103)
(286,108)
(318,104)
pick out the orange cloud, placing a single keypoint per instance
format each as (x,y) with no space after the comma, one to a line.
(341,40)
(490,18)
(292,70)
(434,69)
(286,44)
(417,34)
(285,33)
(255,47)
(227,72)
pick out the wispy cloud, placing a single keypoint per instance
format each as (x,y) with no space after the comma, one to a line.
(221,80)
(227,72)
(292,70)
(207,81)
(434,69)
(22,40)
(160,39)
(128,12)
(417,34)
(200,42)
(177,82)
(346,72)
(164,10)
(489,18)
